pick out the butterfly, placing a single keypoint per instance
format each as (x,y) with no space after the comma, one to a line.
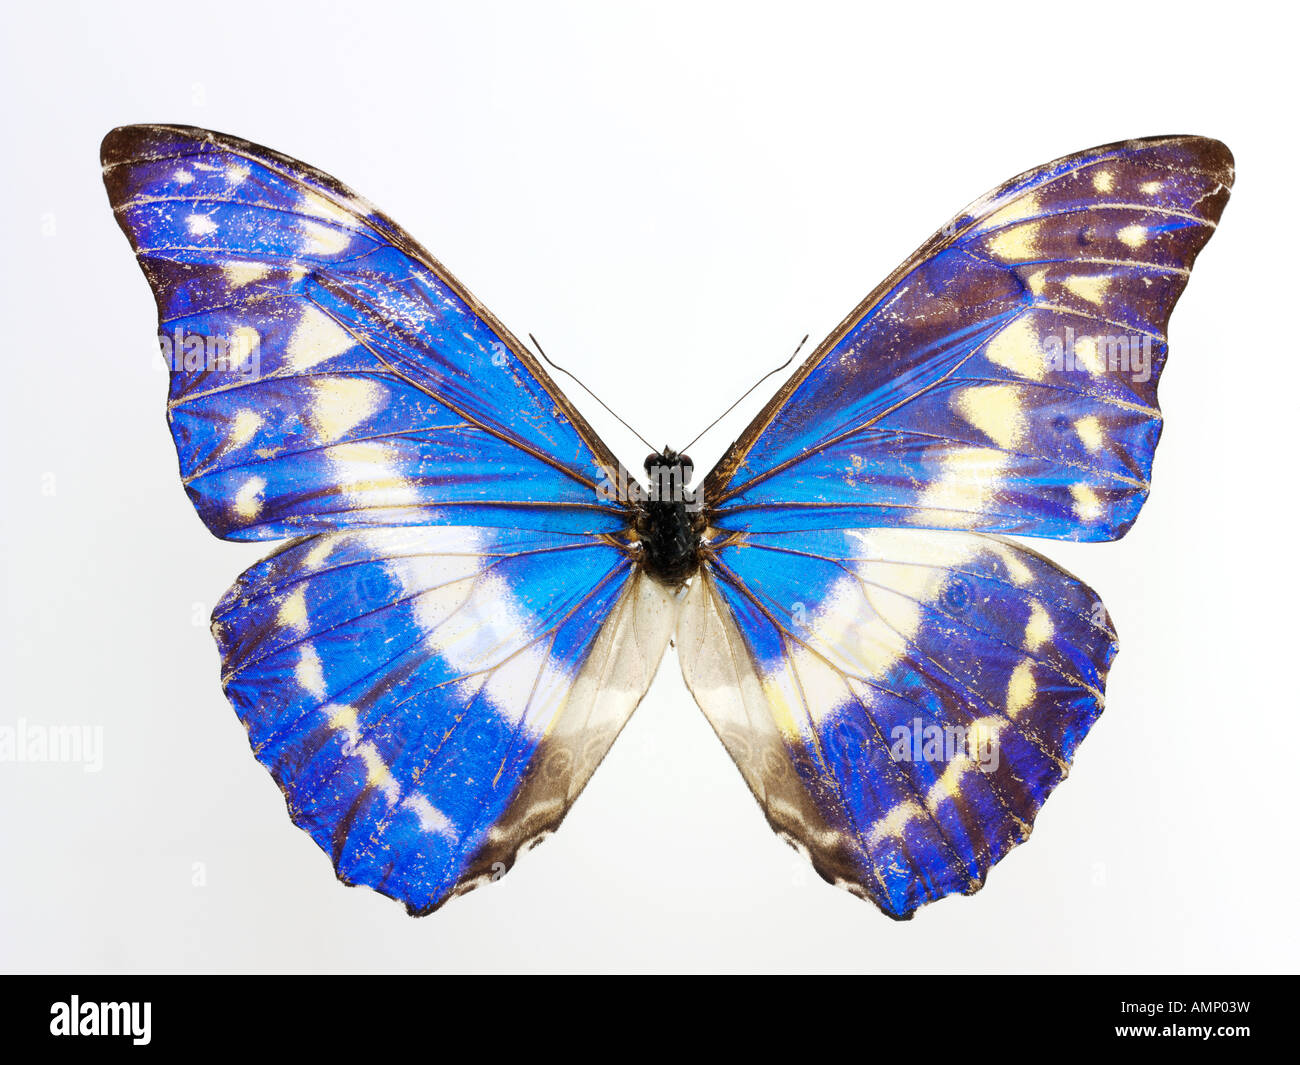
(474,593)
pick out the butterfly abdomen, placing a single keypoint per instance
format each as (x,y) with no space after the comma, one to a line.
(669,523)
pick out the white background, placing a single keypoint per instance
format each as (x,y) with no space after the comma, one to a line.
(669,196)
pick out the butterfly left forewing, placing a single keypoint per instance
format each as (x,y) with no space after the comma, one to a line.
(342,376)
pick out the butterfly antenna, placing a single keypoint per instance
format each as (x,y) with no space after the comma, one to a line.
(557,366)
(746,395)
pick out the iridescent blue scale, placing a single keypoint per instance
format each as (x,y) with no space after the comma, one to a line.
(436,664)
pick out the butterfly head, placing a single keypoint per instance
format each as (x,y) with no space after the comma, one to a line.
(669,464)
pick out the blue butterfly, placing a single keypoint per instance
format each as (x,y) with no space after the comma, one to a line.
(475,594)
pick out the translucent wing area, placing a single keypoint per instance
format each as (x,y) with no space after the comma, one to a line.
(900,702)
(431,700)
(327,372)
(1004,378)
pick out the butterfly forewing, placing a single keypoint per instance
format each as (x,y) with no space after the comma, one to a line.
(1004,378)
(327,372)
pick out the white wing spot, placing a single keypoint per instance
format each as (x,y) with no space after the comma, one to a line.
(200,225)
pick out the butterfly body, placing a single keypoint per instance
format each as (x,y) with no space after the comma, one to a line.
(668,522)
(463,617)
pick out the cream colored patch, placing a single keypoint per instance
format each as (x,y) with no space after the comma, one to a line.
(1019,349)
(1088,354)
(315,558)
(1086,504)
(245,341)
(340,404)
(369,475)
(967,482)
(1103,181)
(243,273)
(200,225)
(182,177)
(1022,207)
(866,625)
(1133,236)
(342,717)
(309,673)
(1019,572)
(1021,688)
(1036,281)
(318,206)
(1149,188)
(321,239)
(242,427)
(983,733)
(801,692)
(317,338)
(293,611)
(1090,432)
(785,708)
(430,817)
(248,500)
(897,819)
(995,410)
(1090,287)
(237,174)
(1039,629)
(378,775)
(948,786)
(1016,243)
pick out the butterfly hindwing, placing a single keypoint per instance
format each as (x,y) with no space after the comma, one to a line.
(900,702)
(1003,378)
(432,699)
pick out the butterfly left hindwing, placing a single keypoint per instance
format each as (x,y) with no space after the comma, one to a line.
(432,699)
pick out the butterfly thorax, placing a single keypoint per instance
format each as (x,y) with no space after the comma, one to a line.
(669,523)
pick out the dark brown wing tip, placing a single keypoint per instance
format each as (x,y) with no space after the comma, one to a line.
(124,142)
(1215,158)
(1207,155)
(117,143)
